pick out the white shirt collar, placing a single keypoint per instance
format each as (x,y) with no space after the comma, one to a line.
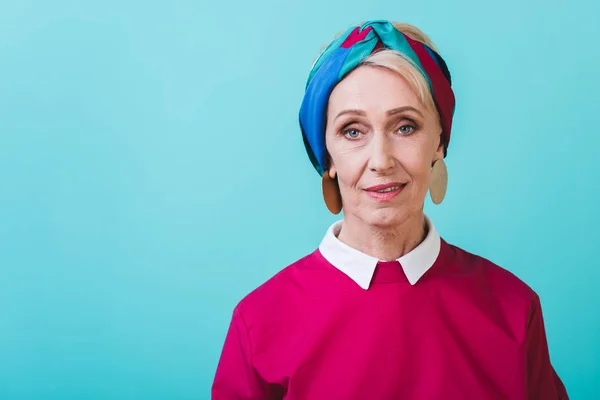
(360,267)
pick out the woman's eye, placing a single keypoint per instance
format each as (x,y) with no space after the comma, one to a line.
(406,129)
(352,133)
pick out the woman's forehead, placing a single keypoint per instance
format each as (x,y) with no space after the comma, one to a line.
(372,88)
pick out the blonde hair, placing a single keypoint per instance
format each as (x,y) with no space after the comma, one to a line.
(403,66)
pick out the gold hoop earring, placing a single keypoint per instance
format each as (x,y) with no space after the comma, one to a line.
(331,193)
(439,181)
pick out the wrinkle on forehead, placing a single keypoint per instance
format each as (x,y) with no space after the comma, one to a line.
(374,91)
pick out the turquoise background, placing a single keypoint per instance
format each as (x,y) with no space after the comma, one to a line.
(152,173)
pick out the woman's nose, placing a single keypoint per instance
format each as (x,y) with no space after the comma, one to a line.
(381,159)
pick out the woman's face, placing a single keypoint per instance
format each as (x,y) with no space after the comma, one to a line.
(382,143)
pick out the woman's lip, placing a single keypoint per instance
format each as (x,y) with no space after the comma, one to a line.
(384,186)
(385,196)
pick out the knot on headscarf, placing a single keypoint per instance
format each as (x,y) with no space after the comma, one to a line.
(346,53)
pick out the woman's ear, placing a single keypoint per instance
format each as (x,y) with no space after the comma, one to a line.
(440,151)
(331,191)
(332,172)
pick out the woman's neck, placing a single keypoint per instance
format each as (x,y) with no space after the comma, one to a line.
(384,243)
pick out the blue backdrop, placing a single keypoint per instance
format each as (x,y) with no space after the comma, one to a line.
(152,173)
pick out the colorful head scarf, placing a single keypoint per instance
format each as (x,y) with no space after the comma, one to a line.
(346,53)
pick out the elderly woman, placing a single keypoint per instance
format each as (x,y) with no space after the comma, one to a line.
(385,308)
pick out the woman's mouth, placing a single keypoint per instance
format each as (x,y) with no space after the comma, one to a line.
(385,192)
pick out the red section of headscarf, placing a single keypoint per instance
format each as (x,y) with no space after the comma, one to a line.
(443,94)
(356,36)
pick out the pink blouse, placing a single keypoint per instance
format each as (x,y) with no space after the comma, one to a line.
(439,323)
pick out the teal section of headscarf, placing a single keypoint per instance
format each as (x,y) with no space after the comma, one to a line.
(390,37)
(358,53)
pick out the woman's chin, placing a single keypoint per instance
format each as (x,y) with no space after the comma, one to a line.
(384,217)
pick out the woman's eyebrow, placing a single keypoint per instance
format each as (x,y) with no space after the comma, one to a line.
(402,109)
(351,111)
(393,111)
